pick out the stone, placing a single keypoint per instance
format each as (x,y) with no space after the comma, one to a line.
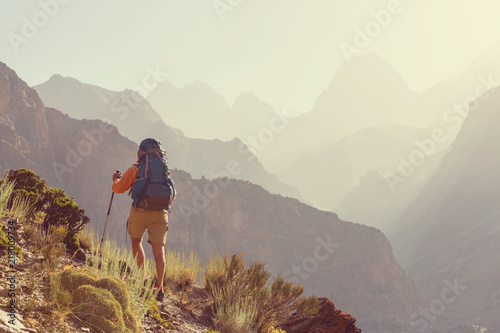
(329,319)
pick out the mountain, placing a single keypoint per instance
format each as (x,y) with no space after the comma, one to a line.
(367,119)
(330,172)
(136,119)
(376,202)
(196,108)
(351,262)
(19,105)
(451,231)
(202,112)
(364,92)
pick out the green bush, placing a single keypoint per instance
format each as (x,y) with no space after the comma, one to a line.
(58,208)
(61,210)
(102,303)
(98,309)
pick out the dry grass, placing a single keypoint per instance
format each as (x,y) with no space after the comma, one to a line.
(21,208)
(117,261)
(232,312)
(48,243)
(13,206)
(86,238)
(181,270)
(6,189)
(245,301)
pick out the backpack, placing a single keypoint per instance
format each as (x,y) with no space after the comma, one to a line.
(153,189)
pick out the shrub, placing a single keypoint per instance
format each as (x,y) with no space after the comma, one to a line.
(102,303)
(61,210)
(51,246)
(181,270)
(58,208)
(97,308)
(232,312)
(117,261)
(244,301)
(48,243)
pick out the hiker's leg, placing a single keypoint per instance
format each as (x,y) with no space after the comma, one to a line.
(157,237)
(159,255)
(136,230)
(138,251)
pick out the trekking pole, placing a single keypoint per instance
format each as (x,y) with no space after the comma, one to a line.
(109,210)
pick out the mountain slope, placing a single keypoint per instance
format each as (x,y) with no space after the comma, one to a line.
(136,119)
(330,171)
(451,230)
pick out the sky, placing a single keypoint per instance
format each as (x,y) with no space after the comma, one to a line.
(285,52)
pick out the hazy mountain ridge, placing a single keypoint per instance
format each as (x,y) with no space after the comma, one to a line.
(367,119)
(136,119)
(453,223)
(201,112)
(366,83)
(335,169)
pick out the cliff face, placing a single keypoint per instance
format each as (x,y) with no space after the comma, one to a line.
(351,264)
(23,127)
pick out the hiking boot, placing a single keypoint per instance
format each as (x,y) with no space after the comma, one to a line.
(161,294)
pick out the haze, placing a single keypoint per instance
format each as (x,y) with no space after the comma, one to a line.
(283,51)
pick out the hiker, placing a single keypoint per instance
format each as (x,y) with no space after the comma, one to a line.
(152,191)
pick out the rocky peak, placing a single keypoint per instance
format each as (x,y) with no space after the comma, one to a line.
(23,123)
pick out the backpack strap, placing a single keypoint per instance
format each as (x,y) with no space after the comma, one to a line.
(136,177)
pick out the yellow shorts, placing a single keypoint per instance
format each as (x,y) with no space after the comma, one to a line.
(155,221)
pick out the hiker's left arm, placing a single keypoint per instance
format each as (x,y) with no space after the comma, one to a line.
(120,185)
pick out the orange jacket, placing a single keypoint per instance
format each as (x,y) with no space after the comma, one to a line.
(121,185)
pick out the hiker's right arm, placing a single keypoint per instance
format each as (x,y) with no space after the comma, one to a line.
(120,185)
